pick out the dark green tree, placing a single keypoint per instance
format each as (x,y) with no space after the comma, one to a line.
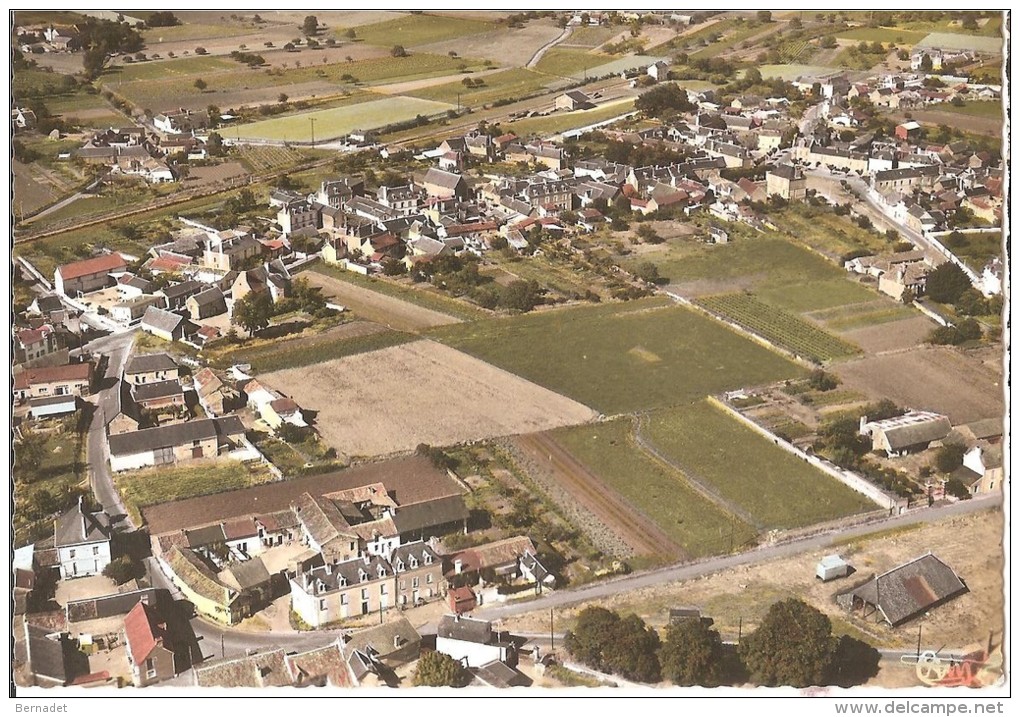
(310,26)
(792,647)
(664,101)
(253,311)
(29,452)
(946,283)
(592,635)
(692,655)
(438,670)
(948,458)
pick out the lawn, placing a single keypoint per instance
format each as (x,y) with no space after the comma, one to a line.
(857,316)
(782,328)
(508,84)
(775,270)
(428,298)
(162,70)
(564,121)
(827,232)
(413,30)
(991,110)
(901,38)
(291,354)
(339,121)
(732,37)
(977,249)
(779,489)
(619,358)
(151,486)
(699,526)
(615,67)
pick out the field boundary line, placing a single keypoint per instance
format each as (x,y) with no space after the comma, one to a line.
(693,479)
(847,478)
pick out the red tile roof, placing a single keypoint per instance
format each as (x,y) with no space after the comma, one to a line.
(47,374)
(95,265)
(27,337)
(144,632)
(241,528)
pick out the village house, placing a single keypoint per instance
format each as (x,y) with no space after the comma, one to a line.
(166,324)
(900,594)
(908,277)
(502,561)
(913,431)
(473,642)
(214,396)
(205,304)
(39,346)
(385,646)
(418,573)
(150,368)
(160,397)
(120,412)
(178,443)
(82,539)
(336,591)
(200,586)
(150,651)
(787,182)
(573,100)
(981,471)
(438,183)
(272,277)
(82,277)
(230,250)
(45,381)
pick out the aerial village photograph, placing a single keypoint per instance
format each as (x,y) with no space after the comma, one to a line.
(510,352)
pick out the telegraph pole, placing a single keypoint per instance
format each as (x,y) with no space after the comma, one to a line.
(552,635)
(312,120)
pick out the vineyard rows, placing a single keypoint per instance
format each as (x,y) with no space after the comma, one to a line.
(782,328)
(267,159)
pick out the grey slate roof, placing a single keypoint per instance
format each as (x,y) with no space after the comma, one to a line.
(147,363)
(384,640)
(208,535)
(466,629)
(157,389)
(78,527)
(419,550)
(911,588)
(183,289)
(410,518)
(350,572)
(175,434)
(438,177)
(249,574)
(916,434)
(161,319)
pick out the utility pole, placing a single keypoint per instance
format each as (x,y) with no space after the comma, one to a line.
(552,635)
(919,641)
(458,103)
(223,652)
(740,629)
(312,120)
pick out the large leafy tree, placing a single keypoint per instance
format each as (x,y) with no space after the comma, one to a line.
(438,670)
(792,647)
(664,101)
(604,641)
(692,654)
(946,283)
(253,311)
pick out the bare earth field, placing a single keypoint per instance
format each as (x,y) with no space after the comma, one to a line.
(507,47)
(745,593)
(388,310)
(391,400)
(892,336)
(990,126)
(945,380)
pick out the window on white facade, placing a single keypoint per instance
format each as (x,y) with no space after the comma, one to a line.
(343,599)
(322,604)
(428,578)
(364,593)
(414,583)
(150,668)
(95,550)
(70,553)
(382,589)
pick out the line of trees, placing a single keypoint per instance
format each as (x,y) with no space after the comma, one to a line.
(793,646)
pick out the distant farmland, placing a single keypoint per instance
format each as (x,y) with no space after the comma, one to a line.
(341,120)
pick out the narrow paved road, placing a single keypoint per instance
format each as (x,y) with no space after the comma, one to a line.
(116,348)
(564,598)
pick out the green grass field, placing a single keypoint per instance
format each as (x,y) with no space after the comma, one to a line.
(827,232)
(779,272)
(413,30)
(792,72)
(340,120)
(151,486)
(508,84)
(51,486)
(428,298)
(746,468)
(731,38)
(899,37)
(620,358)
(955,41)
(615,67)
(162,70)
(978,249)
(564,121)
(782,328)
(857,316)
(609,450)
(564,62)
(991,110)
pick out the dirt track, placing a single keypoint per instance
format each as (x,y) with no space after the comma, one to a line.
(604,503)
(387,310)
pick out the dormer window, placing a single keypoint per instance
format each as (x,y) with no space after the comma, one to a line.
(428,559)
(414,563)
(343,581)
(400,565)
(362,575)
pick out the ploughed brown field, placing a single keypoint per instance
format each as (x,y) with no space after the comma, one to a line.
(393,399)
